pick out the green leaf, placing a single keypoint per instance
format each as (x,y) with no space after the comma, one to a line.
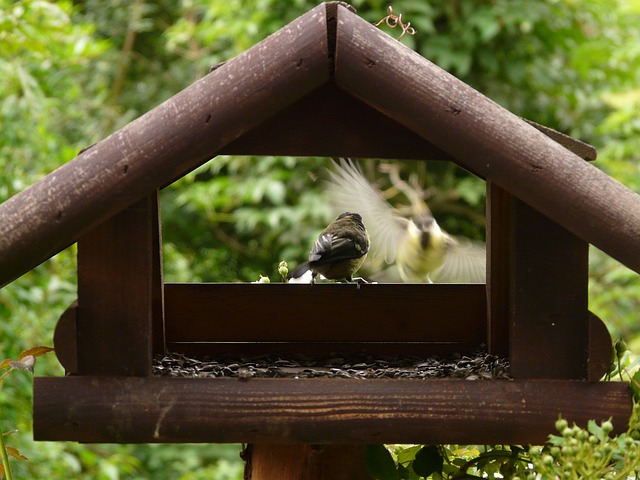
(380,464)
(408,454)
(405,473)
(596,430)
(557,440)
(635,386)
(428,460)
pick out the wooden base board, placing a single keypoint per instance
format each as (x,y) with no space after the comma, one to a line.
(317,411)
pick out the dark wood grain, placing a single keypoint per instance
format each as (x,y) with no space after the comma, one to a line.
(164,144)
(548,304)
(323,349)
(115,293)
(325,313)
(157,279)
(307,462)
(487,139)
(580,148)
(330,122)
(498,235)
(324,411)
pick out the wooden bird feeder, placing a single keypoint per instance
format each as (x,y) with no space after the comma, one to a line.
(327,84)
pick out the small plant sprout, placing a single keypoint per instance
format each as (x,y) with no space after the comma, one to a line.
(283,270)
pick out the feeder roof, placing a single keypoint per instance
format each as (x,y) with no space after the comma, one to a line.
(333,51)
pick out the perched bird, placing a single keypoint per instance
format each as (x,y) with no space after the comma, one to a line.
(339,251)
(419,248)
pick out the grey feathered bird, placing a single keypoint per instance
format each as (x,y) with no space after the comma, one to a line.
(339,251)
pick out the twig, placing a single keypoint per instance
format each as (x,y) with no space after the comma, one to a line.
(127,48)
(5,457)
(414,196)
(392,20)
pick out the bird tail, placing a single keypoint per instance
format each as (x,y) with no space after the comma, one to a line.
(299,271)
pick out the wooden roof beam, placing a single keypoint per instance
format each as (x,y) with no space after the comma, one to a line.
(487,139)
(164,144)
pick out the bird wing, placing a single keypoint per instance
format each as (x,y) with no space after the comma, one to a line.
(465,262)
(350,191)
(329,248)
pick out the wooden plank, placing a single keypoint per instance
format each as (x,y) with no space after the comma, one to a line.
(157,280)
(317,411)
(325,313)
(549,328)
(249,349)
(164,144)
(115,299)
(487,139)
(498,234)
(580,148)
(600,347)
(330,122)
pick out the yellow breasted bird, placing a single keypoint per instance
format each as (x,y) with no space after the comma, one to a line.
(419,248)
(339,251)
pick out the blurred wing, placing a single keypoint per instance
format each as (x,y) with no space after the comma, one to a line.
(465,262)
(350,191)
(388,275)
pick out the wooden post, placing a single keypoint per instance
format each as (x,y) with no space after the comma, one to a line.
(548,296)
(557,281)
(157,280)
(498,232)
(116,285)
(306,462)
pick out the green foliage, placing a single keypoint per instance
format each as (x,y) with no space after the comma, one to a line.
(25,361)
(44,59)
(614,295)
(577,453)
(236,217)
(72,72)
(438,462)
(590,453)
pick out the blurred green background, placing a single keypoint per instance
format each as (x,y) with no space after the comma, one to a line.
(73,72)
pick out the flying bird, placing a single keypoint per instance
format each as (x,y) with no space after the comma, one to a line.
(418,250)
